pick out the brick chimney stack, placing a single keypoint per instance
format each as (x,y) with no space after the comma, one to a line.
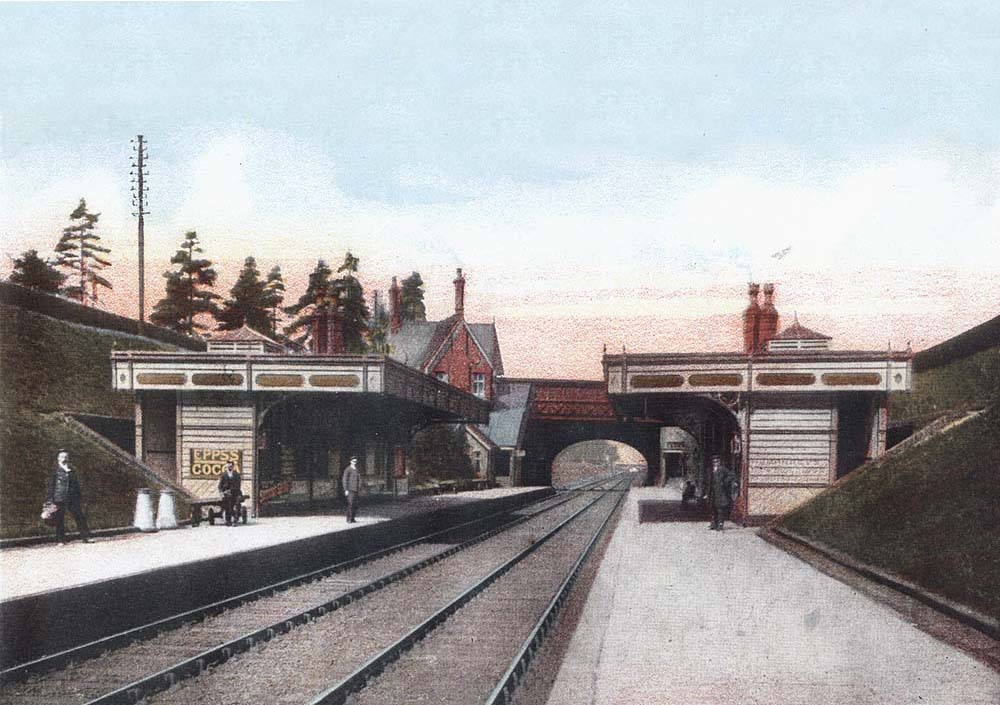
(768,321)
(459,293)
(751,320)
(395,307)
(335,331)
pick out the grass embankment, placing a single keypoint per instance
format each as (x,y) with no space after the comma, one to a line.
(971,382)
(927,513)
(47,366)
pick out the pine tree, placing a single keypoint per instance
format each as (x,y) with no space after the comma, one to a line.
(302,310)
(351,303)
(32,272)
(411,298)
(274,295)
(78,251)
(248,302)
(188,291)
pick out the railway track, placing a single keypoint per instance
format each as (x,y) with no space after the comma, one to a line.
(480,654)
(338,655)
(128,667)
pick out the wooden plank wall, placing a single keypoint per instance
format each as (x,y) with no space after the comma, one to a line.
(217,424)
(793,441)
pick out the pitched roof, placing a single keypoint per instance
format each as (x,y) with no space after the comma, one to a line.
(796,331)
(479,432)
(417,343)
(442,329)
(410,343)
(242,335)
(510,406)
(486,335)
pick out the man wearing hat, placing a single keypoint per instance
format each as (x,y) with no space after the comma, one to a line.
(64,492)
(351,482)
(723,489)
(232,495)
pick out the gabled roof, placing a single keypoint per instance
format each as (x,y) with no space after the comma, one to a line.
(510,407)
(242,335)
(485,334)
(479,433)
(442,332)
(419,344)
(410,343)
(796,331)
(245,339)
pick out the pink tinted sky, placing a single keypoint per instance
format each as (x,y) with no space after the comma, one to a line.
(605,173)
(551,332)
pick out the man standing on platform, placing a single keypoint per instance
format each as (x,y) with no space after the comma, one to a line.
(64,492)
(351,482)
(722,490)
(229,486)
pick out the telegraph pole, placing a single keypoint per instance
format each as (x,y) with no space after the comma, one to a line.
(139,192)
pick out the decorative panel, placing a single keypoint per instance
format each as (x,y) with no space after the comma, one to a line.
(217,379)
(329,380)
(161,378)
(279,380)
(715,380)
(656,381)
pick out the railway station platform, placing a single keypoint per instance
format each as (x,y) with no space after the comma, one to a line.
(56,595)
(680,614)
(42,568)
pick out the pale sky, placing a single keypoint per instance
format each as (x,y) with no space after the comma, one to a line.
(605,173)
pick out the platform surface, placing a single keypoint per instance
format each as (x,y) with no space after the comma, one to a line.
(36,569)
(680,614)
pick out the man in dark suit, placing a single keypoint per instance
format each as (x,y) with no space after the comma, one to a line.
(229,486)
(64,492)
(351,482)
(723,490)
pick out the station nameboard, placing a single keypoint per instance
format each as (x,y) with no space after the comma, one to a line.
(211,462)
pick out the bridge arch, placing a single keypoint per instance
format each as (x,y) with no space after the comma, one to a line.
(563,412)
(584,459)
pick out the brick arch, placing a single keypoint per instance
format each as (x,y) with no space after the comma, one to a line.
(563,412)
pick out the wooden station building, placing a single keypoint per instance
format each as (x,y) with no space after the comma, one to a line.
(291,422)
(789,411)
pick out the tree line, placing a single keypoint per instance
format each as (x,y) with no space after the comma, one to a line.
(190,304)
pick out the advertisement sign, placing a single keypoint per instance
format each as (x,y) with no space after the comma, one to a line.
(273,491)
(210,462)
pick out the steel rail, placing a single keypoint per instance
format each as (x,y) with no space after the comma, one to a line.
(92,649)
(163,679)
(338,694)
(520,664)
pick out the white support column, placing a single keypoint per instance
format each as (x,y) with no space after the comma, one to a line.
(834,436)
(879,425)
(139,450)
